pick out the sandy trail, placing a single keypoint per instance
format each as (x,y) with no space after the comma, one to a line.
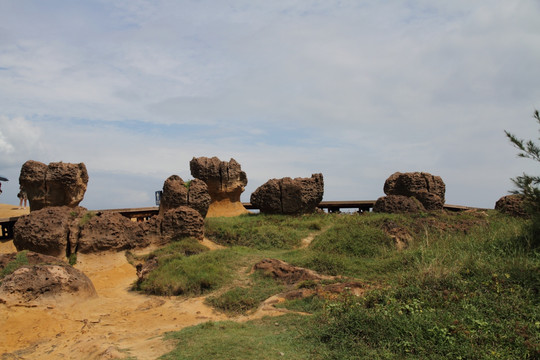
(116,324)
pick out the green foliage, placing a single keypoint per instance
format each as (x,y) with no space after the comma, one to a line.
(468,297)
(243,299)
(187,184)
(193,275)
(72,259)
(528,185)
(263,231)
(270,338)
(20,260)
(86,217)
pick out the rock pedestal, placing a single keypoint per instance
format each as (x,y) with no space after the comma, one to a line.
(226,182)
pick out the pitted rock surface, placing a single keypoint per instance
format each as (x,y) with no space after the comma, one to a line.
(181,222)
(47,231)
(110,231)
(45,282)
(226,182)
(56,184)
(289,196)
(393,204)
(512,205)
(176,194)
(426,188)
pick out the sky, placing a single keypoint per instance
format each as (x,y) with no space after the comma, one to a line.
(355,90)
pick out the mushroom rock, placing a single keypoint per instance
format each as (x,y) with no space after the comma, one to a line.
(177,193)
(56,184)
(289,196)
(426,188)
(226,182)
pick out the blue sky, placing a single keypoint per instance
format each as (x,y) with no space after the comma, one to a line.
(354,89)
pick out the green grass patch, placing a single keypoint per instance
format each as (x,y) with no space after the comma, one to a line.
(240,300)
(266,339)
(263,232)
(20,260)
(193,275)
(86,217)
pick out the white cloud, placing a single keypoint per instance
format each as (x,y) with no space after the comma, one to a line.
(356,90)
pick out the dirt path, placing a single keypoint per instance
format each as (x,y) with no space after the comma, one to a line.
(116,324)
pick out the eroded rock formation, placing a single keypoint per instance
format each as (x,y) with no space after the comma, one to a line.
(226,182)
(56,184)
(177,193)
(180,223)
(62,231)
(428,189)
(289,196)
(44,279)
(512,205)
(397,204)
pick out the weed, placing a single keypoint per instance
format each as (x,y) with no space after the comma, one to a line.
(20,260)
(86,217)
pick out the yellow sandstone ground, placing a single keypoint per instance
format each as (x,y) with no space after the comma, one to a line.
(118,323)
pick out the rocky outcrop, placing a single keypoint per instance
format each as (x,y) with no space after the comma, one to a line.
(180,223)
(226,182)
(397,204)
(512,205)
(47,231)
(428,189)
(177,193)
(104,231)
(44,283)
(289,196)
(62,231)
(285,272)
(56,184)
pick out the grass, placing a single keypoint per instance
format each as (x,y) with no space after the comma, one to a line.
(263,232)
(20,260)
(466,287)
(240,300)
(265,339)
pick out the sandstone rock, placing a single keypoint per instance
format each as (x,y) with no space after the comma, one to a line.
(176,194)
(397,204)
(45,283)
(199,197)
(289,196)
(427,188)
(180,223)
(226,182)
(286,273)
(110,231)
(512,205)
(57,184)
(47,231)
